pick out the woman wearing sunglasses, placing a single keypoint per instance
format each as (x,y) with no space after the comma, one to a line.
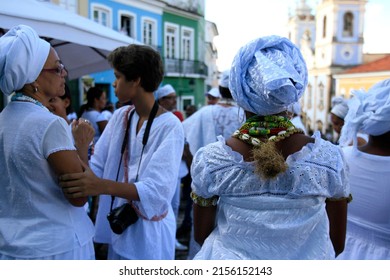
(36,220)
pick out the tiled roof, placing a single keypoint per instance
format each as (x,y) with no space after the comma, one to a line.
(382,64)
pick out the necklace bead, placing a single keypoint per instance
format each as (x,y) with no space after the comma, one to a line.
(21,97)
(276,128)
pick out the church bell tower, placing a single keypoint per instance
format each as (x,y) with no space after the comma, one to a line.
(339,38)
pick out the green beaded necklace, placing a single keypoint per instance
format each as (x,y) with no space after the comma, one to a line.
(274,127)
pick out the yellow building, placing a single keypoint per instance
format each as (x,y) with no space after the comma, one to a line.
(362,76)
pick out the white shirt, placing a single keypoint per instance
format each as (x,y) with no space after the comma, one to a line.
(107,114)
(203,127)
(156,184)
(368,228)
(35,218)
(94,117)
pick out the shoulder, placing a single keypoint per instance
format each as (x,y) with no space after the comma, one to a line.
(51,121)
(120,113)
(169,121)
(319,154)
(220,152)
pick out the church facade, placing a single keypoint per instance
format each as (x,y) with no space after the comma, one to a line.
(331,41)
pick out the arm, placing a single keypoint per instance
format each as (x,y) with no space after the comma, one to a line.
(82,184)
(102,126)
(204,222)
(187,156)
(83,134)
(337,215)
(64,162)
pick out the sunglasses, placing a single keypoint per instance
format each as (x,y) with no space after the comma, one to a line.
(59,70)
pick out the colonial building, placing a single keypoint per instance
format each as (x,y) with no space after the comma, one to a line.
(331,41)
(176,28)
(363,76)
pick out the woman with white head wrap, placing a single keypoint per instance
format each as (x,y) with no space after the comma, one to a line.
(261,194)
(368,235)
(38,222)
(337,115)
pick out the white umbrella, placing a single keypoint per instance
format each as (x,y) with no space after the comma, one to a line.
(81,43)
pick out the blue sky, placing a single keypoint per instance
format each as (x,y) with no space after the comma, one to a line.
(240,21)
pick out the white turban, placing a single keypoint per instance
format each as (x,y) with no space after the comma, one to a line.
(224,80)
(340,108)
(164,91)
(368,112)
(267,75)
(22,57)
(214,92)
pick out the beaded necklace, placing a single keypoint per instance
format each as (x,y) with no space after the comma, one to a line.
(21,97)
(275,128)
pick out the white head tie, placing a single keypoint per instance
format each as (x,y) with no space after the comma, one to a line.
(164,91)
(340,108)
(22,57)
(214,92)
(224,80)
(267,75)
(368,112)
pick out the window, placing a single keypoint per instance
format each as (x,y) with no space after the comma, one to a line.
(149,36)
(348,25)
(102,14)
(321,89)
(171,41)
(187,44)
(185,101)
(310,95)
(324,27)
(127,24)
(70,5)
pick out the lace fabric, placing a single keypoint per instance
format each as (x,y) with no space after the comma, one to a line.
(255,216)
(316,170)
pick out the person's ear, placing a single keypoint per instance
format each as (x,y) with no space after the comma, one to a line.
(66,102)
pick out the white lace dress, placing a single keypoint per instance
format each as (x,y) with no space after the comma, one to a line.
(284,218)
(368,228)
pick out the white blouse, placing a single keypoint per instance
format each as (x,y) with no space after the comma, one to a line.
(283,218)
(36,220)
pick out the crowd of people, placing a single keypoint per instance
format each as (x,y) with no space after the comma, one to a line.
(255,184)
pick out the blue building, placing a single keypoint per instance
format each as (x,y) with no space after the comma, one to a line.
(141,20)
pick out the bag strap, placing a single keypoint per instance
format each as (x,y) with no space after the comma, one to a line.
(145,139)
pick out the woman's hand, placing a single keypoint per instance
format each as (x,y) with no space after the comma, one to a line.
(83,134)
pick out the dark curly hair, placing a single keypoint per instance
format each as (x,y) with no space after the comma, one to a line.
(139,61)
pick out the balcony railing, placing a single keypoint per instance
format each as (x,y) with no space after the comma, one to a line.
(186,67)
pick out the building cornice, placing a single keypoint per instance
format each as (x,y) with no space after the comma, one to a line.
(180,12)
(362,75)
(149,5)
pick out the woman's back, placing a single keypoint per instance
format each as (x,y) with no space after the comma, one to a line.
(368,235)
(258,213)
